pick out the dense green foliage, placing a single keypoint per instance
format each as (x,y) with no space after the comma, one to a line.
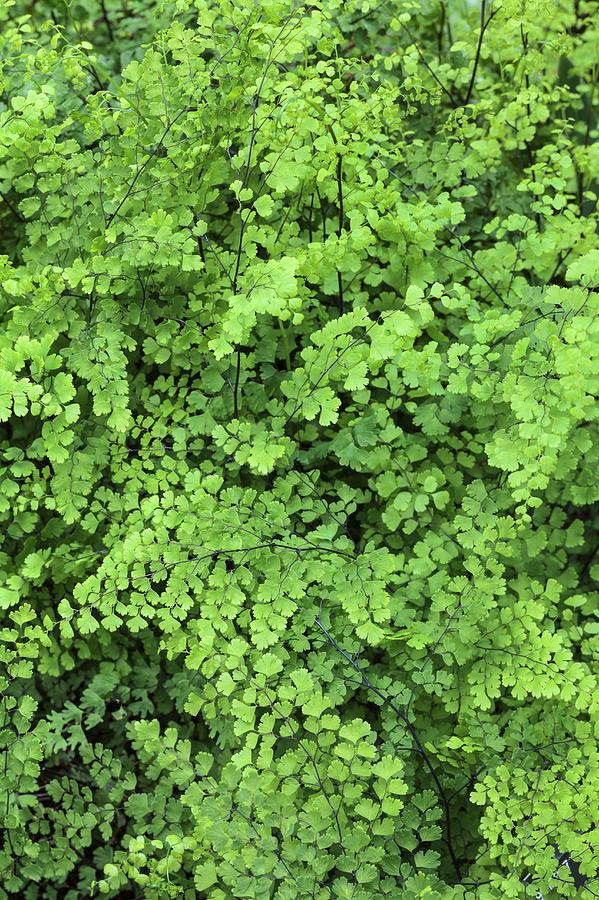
(299,437)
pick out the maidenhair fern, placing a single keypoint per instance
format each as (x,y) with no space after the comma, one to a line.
(299,370)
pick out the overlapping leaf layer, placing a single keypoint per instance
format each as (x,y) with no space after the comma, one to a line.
(299,438)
